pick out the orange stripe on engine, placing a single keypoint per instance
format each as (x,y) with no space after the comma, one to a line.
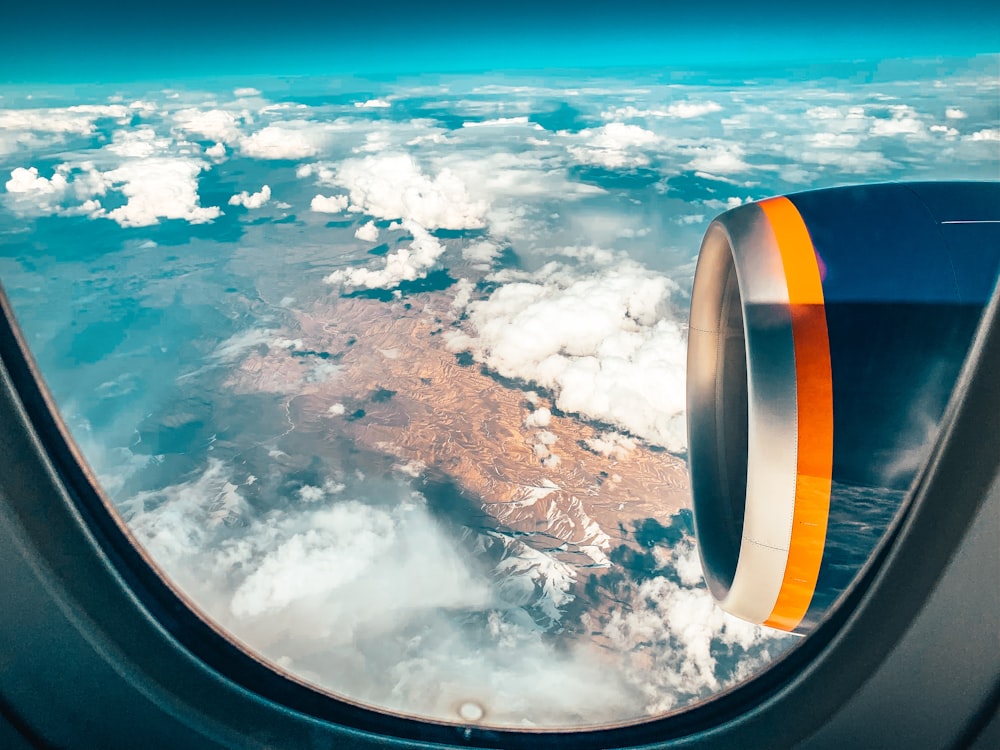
(814,406)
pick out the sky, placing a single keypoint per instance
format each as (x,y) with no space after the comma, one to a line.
(78,42)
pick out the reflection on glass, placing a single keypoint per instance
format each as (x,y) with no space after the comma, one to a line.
(390,379)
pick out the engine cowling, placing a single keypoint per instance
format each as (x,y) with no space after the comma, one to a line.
(827,331)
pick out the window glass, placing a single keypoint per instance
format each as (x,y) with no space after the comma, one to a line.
(389,375)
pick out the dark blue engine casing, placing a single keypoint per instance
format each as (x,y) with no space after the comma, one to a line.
(827,331)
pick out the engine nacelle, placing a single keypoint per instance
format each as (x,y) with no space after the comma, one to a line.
(827,331)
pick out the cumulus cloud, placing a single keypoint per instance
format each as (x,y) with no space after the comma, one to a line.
(379,601)
(246,91)
(29,182)
(394,187)
(336,589)
(955,113)
(373,104)
(701,645)
(286,141)
(481,252)
(611,445)
(718,158)
(367,232)
(615,146)
(216,153)
(211,124)
(607,345)
(903,120)
(834,140)
(251,200)
(160,188)
(33,193)
(945,130)
(839,119)
(328,204)
(507,186)
(154,188)
(77,120)
(139,143)
(852,161)
(987,134)
(406,264)
(687,110)
(678,110)
(503,122)
(538,418)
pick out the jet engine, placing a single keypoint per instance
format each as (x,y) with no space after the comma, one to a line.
(827,331)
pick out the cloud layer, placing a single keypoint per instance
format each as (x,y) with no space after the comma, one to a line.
(406,264)
(568,212)
(372,598)
(608,344)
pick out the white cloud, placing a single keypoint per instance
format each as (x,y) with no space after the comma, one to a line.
(34,194)
(216,153)
(139,143)
(335,589)
(328,204)
(211,124)
(239,343)
(92,209)
(631,233)
(292,140)
(481,251)
(503,122)
(606,344)
(143,106)
(718,158)
(677,110)
(509,186)
(246,91)
(842,119)
(855,162)
(611,445)
(615,146)
(367,232)
(321,172)
(987,134)
(405,264)
(28,182)
(254,200)
(394,187)
(825,112)
(161,188)
(690,633)
(834,140)
(78,120)
(687,110)
(538,418)
(379,602)
(945,130)
(954,113)
(373,104)
(904,121)
(690,219)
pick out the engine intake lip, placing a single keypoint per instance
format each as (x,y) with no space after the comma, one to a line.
(742,413)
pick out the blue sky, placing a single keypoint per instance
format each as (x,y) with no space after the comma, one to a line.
(77,42)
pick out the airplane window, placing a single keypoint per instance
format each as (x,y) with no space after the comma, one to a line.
(390,376)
